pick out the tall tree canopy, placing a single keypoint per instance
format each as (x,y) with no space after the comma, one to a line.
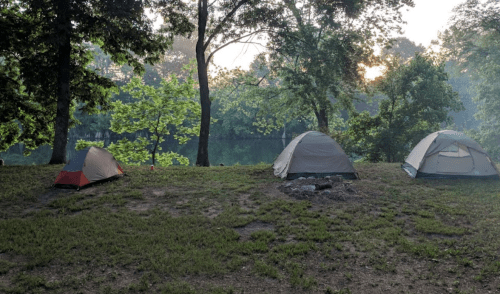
(314,63)
(50,47)
(320,48)
(473,43)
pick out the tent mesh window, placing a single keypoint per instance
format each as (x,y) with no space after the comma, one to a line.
(455,150)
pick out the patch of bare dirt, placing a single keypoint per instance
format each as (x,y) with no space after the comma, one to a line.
(244,202)
(53,194)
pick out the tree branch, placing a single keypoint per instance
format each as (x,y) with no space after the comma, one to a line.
(232,42)
(210,4)
(218,28)
(258,83)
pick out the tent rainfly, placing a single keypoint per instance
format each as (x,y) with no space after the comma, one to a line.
(449,154)
(313,154)
(89,165)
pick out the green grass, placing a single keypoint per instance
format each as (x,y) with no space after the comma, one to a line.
(188,230)
(433,226)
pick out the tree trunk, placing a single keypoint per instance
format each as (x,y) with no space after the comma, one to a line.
(63,80)
(202,158)
(388,154)
(153,153)
(322,121)
(153,156)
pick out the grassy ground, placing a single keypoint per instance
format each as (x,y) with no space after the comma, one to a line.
(229,230)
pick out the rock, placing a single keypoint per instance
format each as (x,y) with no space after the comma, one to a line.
(311,178)
(327,177)
(337,179)
(308,188)
(288,184)
(301,178)
(326,192)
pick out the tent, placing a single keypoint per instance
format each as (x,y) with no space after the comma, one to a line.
(89,165)
(313,154)
(449,154)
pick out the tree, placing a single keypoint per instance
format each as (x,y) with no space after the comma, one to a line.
(19,108)
(472,42)
(465,85)
(316,50)
(418,101)
(158,112)
(181,52)
(220,24)
(256,97)
(403,48)
(174,60)
(322,78)
(321,47)
(24,110)
(53,50)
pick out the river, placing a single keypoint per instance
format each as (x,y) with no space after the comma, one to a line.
(225,151)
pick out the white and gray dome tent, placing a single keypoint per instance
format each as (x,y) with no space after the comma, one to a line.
(449,154)
(313,154)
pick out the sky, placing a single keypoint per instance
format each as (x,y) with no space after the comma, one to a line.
(423,23)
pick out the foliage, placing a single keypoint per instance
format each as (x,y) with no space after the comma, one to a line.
(259,99)
(320,49)
(461,82)
(418,100)
(174,60)
(249,101)
(51,40)
(473,43)
(171,61)
(24,106)
(403,48)
(466,86)
(82,144)
(157,113)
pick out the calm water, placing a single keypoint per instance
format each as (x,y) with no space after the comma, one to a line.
(228,152)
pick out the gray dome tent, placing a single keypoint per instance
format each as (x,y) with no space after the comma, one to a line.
(313,154)
(449,154)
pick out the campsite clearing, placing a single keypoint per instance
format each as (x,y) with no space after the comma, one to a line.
(231,230)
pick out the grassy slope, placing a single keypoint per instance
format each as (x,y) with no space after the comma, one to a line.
(188,230)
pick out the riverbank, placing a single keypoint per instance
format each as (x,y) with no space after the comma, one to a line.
(234,230)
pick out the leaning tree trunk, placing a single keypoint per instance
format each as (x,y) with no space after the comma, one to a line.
(63,81)
(202,158)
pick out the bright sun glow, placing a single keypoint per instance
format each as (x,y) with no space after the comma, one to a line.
(373,72)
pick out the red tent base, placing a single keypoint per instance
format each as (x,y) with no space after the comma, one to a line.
(72,178)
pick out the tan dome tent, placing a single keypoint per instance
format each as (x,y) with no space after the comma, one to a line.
(89,165)
(449,154)
(313,154)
